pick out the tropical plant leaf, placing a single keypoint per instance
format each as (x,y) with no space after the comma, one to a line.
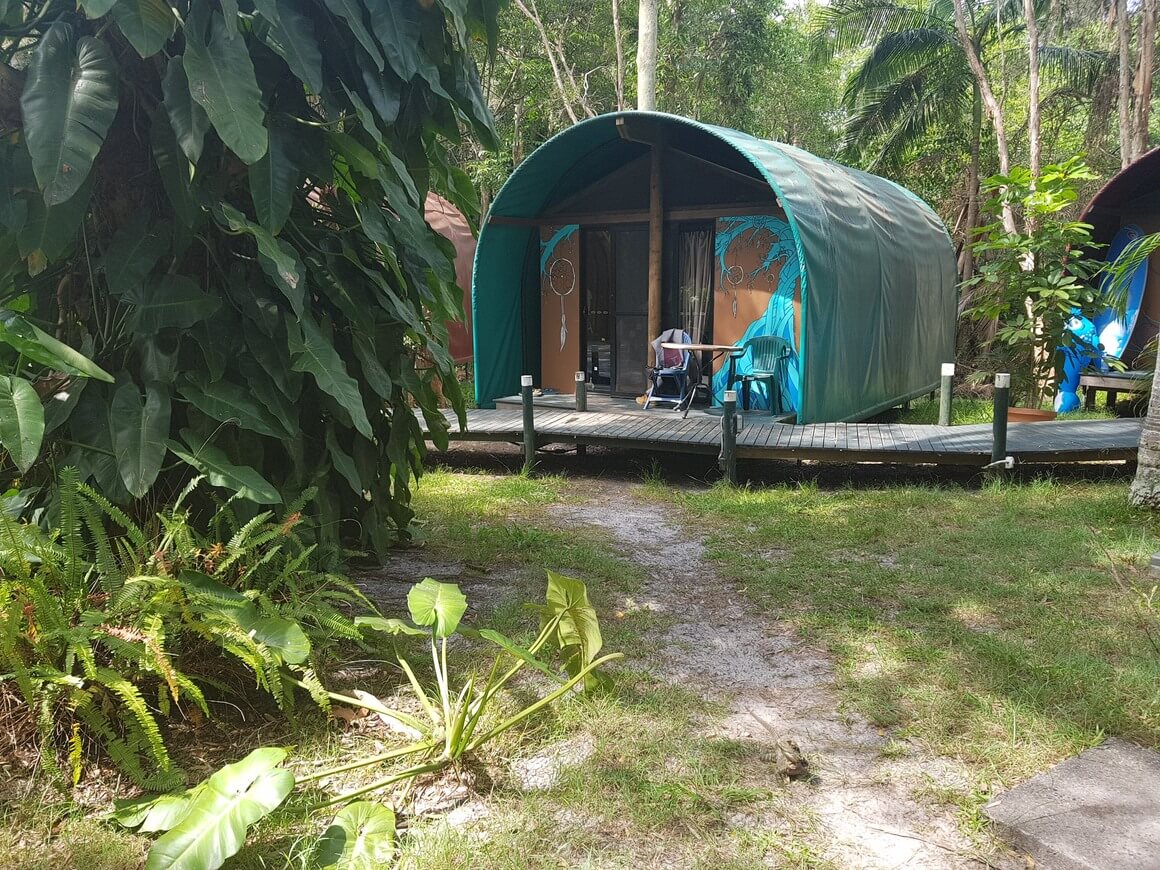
(139,429)
(273,180)
(232,799)
(229,403)
(221,79)
(397,28)
(343,463)
(388,626)
(283,636)
(21,421)
(439,605)
(68,103)
(173,167)
(219,471)
(147,24)
(154,813)
(314,353)
(291,35)
(578,631)
(186,116)
(95,8)
(276,257)
(48,232)
(518,651)
(37,345)
(351,11)
(171,301)
(361,837)
(133,252)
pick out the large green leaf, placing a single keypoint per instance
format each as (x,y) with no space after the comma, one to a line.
(69,101)
(283,636)
(291,35)
(343,462)
(439,605)
(233,799)
(171,301)
(219,471)
(221,79)
(578,631)
(361,837)
(397,27)
(21,421)
(96,8)
(277,258)
(48,231)
(173,167)
(37,345)
(351,11)
(133,253)
(230,403)
(139,429)
(147,24)
(273,180)
(186,116)
(314,353)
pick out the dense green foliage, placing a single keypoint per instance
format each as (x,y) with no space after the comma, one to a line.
(104,636)
(221,204)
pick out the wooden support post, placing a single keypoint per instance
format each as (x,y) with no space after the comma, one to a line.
(944,395)
(728,460)
(656,245)
(581,405)
(999,426)
(529,424)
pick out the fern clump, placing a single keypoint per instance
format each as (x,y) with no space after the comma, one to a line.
(108,627)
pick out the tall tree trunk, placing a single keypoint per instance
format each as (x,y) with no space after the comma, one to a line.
(618,38)
(1032,88)
(530,12)
(1146,486)
(994,111)
(1146,59)
(646,57)
(967,257)
(1124,34)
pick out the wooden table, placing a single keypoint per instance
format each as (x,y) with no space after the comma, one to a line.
(1111,383)
(716,350)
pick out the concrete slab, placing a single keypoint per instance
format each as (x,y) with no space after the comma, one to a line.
(1097,811)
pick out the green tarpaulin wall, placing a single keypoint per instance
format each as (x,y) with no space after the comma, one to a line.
(878,269)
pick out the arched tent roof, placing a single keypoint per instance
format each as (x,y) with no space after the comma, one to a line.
(877,265)
(1138,179)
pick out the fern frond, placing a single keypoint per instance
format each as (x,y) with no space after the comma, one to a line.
(70,528)
(131,529)
(108,570)
(139,715)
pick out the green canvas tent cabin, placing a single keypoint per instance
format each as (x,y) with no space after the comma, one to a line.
(634,222)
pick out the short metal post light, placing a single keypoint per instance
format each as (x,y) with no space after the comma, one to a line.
(529,423)
(728,461)
(999,457)
(581,405)
(944,395)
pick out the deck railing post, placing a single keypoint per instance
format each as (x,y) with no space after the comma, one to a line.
(728,460)
(944,395)
(999,426)
(529,423)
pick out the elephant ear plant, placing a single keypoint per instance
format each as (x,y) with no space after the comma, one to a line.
(206,824)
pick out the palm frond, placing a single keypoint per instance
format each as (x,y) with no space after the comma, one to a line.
(897,55)
(850,24)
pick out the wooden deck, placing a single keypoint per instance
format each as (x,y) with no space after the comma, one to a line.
(1051,442)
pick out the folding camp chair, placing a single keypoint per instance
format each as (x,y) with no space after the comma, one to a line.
(676,371)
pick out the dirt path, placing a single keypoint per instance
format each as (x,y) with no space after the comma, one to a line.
(863,804)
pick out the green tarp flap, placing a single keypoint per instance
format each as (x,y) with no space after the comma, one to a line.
(878,268)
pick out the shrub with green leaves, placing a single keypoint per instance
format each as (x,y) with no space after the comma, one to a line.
(103,635)
(218,206)
(201,829)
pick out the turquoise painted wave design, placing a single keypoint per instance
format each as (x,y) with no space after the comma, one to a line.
(778,318)
(548,248)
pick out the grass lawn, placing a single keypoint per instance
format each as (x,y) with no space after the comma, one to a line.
(981,624)
(965,411)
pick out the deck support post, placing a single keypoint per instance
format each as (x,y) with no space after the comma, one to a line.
(529,423)
(999,426)
(656,244)
(944,395)
(728,459)
(581,405)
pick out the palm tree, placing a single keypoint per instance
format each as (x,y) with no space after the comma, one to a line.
(917,77)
